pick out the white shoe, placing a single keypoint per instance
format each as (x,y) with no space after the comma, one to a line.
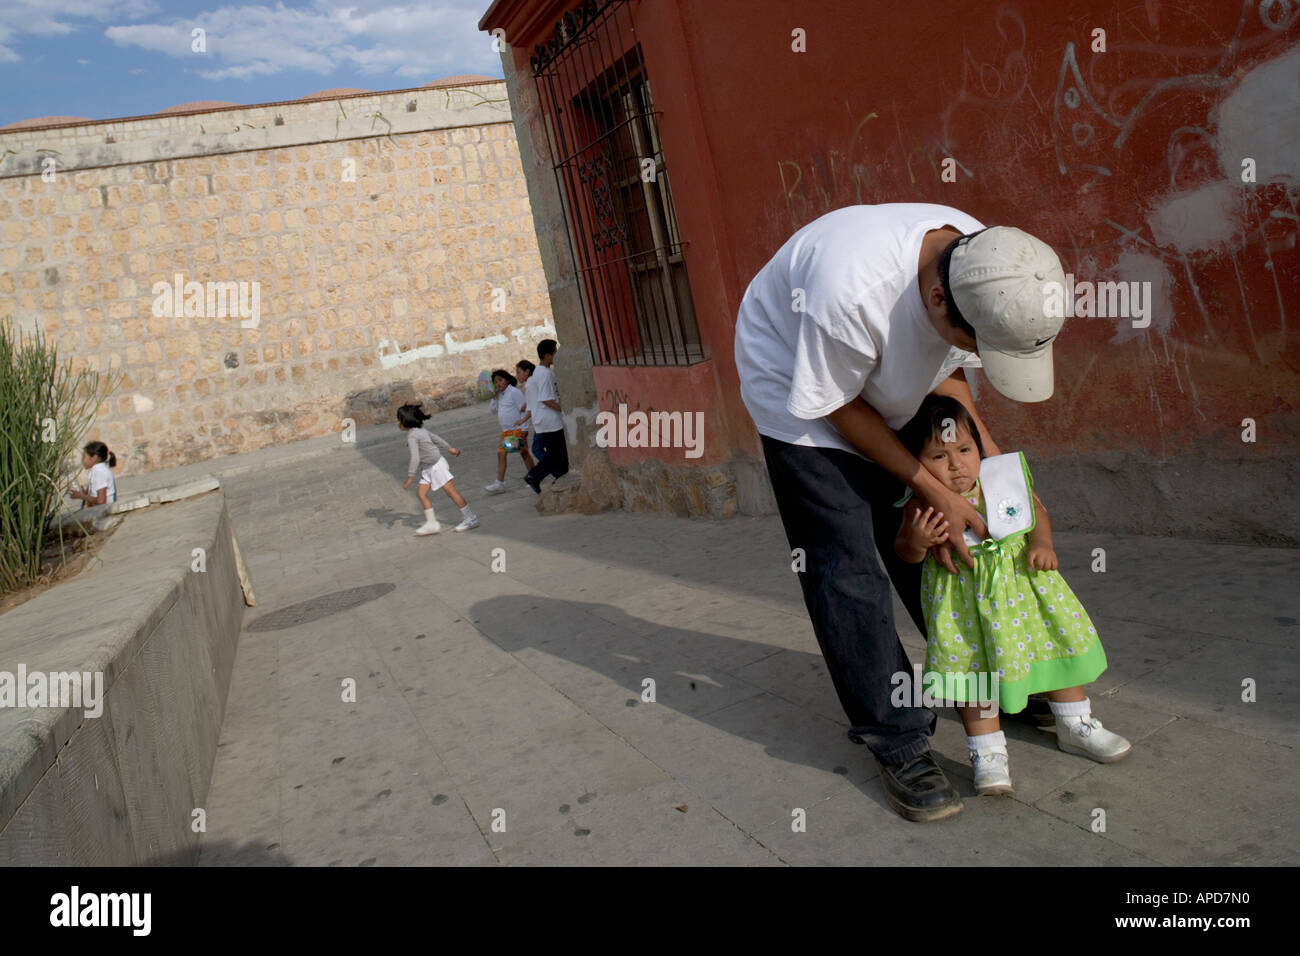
(992,775)
(429,527)
(470,522)
(495,488)
(1086,737)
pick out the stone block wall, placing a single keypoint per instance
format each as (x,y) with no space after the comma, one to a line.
(389,239)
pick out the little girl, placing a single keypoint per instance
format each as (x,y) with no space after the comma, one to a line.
(99,461)
(508,403)
(1012,618)
(434,472)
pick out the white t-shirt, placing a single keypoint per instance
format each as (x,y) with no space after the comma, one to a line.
(509,406)
(863,329)
(101,476)
(541,385)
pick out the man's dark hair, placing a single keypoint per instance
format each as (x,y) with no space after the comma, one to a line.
(945,261)
(546,347)
(928,422)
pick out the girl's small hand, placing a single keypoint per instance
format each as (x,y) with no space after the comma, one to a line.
(1041,558)
(928,527)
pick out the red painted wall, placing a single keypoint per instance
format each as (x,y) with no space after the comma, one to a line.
(1127,161)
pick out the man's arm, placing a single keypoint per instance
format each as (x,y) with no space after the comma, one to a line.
(956,386)
(864,429)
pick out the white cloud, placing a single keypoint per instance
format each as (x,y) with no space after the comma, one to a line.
(54,18)
(371,37)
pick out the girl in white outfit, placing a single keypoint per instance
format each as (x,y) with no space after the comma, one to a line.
(508,403)
(433,469)
(99,461)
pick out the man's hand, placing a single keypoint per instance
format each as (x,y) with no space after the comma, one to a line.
(407,483)
(961,515)
(1041,557)
(454,451)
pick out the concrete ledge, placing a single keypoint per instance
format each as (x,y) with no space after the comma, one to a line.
(121,788)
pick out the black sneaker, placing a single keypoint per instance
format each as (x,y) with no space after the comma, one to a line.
(919,791)
(536,486)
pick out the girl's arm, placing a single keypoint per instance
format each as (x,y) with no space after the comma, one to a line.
(414,446)
(443,443)
(1040,554)
(918,531)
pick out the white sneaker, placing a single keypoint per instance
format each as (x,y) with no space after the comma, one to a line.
(1086,737)
(992,775)
(495,488)
(429,527)
(470,522)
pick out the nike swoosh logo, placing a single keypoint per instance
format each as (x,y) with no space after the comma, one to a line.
(1044,341)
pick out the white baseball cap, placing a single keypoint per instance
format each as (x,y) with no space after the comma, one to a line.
(999,281)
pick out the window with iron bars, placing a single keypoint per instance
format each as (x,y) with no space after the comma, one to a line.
(601,120)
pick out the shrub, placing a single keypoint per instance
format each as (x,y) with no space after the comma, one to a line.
(45,409)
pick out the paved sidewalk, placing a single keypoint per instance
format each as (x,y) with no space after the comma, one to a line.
(512,696)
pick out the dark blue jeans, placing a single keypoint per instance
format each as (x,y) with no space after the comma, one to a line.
(554,459)
(838,508)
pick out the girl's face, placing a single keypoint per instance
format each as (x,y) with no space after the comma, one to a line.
(521,374)
(499,383)
(88,461)
(955,463)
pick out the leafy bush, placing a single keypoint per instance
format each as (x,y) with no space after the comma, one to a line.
(45,409)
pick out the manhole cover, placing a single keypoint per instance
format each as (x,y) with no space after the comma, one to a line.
(318,607)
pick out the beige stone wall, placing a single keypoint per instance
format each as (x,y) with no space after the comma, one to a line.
(410,252)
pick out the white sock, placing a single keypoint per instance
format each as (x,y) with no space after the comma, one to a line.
(987,741)
(428,516)
(467,512)
(1071,708)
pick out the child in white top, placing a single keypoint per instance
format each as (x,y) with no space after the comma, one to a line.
(524,369)
(509,405)
(99,461)
(434,472)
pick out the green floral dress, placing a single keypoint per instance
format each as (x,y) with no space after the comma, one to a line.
(1022,628)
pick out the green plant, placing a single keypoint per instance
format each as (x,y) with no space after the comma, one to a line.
(45,409)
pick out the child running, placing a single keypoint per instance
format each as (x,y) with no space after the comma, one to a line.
(434,472)
(508,403)
(1012,618)
(99,461)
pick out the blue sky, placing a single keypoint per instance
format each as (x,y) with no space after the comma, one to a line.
(107,58)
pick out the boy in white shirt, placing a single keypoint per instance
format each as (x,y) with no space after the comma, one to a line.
(544,405)
(839,338)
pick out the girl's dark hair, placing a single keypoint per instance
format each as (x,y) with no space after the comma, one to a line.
(526,365)
(929,420)
(945,262)
(510,379)
(97,449)
(411,416)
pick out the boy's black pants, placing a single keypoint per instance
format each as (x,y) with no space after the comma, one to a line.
(554,459)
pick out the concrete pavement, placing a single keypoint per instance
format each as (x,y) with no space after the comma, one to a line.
(499,716)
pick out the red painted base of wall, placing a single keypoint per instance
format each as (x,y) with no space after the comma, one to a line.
(686,389)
